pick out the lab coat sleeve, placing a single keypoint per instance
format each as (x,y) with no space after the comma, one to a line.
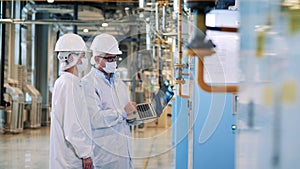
(74,131)
(100,118)
(105,118)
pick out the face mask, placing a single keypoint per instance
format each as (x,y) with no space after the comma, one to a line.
(82,67)
(110,67)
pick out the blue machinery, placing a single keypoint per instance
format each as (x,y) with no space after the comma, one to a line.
(259,128)
(211,124)
(204,136)
(213,140)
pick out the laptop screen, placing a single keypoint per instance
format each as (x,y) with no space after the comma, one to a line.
(162,98)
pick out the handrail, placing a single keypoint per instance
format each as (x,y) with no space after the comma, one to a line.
(201,53)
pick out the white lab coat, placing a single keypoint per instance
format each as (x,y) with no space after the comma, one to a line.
(70,132)
(110,130)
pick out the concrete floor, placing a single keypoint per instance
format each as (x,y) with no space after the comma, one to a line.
(152,148)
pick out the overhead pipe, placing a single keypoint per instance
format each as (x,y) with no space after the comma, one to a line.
(68,22)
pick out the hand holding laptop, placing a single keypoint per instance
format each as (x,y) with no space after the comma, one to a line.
(130,108)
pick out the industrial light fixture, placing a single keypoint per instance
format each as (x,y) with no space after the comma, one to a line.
(50,1)
(85,30)
(104,24)
(127,11)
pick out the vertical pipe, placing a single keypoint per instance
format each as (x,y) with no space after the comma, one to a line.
(148,35)
(164,18)
(17,29)
(75,16)
(2,56)
(179,40)
(33,52)
(12,9)
(179,23)
(199,21)
(141,3)
(158,43)
(172,62)
(156,16)
(11,70)
(11,41)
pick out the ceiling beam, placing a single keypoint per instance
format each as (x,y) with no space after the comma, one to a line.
(128,1)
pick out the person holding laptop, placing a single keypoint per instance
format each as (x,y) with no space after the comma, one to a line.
(108,106)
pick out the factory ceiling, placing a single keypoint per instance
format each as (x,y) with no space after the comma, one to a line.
(90,17)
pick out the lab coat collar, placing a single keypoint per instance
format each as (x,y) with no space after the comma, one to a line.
(109,80)
(70,75)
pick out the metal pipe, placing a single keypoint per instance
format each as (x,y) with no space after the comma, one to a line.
(29,12)
(158,43)
(17,33)
(2,56)
(172,60)
(75,16)
(148,35)
(179,38)
(200,77)
(157,16)
(33,51)
(180,92)
(12,9)
(141,3)
(68,22)
(15,114)
(164,18)
(206,50)
(36,106)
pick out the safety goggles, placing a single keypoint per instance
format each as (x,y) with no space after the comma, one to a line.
(110,58)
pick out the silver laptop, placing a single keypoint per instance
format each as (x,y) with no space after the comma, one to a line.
(146,111)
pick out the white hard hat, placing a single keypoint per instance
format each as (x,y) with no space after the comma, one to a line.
(70,42)
(104,43)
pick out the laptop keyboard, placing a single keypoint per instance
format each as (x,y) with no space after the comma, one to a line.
(144,111)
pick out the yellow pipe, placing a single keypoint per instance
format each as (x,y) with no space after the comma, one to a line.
(171,58)
(158,42)
(179,23)
(180,47)
(201,53)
